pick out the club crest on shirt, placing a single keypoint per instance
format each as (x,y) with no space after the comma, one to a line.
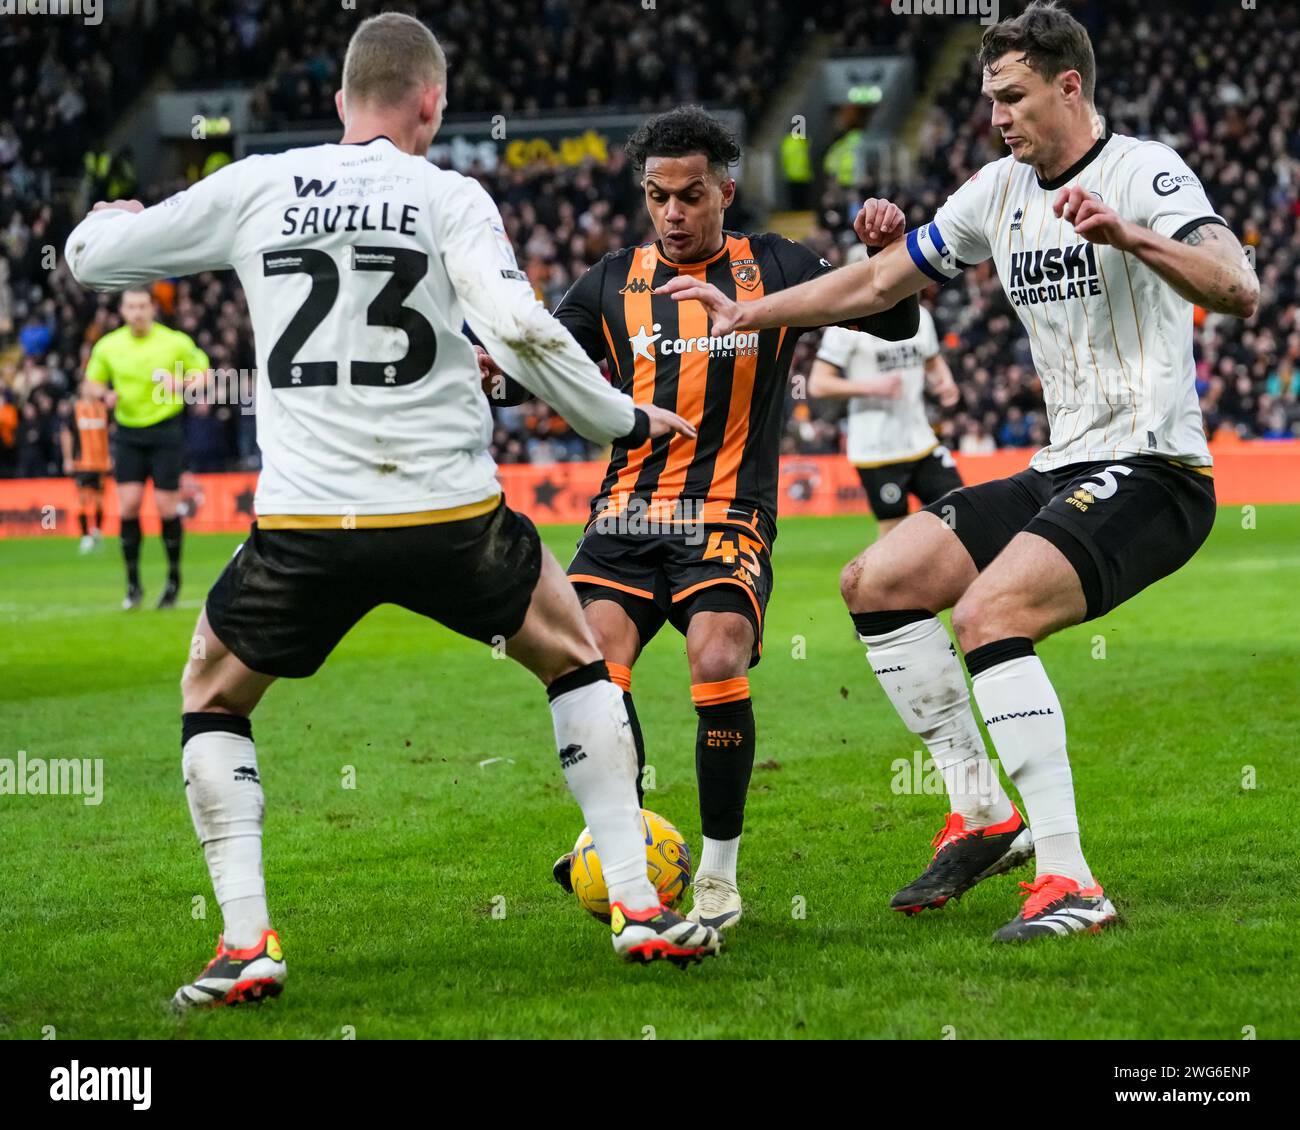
(745,272)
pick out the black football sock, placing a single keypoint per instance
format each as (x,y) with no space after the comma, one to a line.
(131,550)
(635,722)
(171,536)
(724,760)
(81,521)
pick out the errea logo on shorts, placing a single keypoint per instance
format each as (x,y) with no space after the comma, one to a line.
(733,344)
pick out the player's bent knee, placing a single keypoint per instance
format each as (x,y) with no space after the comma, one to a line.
(871,582)
(851,580)
(983,617)
(965,622)
(722,652)
(718,662)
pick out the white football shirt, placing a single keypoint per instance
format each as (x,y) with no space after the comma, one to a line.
(361,264)
(885,429)
(1111,340)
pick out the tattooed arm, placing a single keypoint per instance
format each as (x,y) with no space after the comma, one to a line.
(1207,266)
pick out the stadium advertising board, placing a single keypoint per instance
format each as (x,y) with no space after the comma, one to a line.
(487,143)
(1244,473)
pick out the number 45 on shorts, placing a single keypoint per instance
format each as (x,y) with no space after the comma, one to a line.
(730,548)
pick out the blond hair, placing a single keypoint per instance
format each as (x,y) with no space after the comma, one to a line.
(389,56)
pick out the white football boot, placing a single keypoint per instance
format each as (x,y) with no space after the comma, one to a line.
(716,901)
(659,934)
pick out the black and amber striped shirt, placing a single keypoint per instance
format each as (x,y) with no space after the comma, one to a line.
(731,388)
(89,428)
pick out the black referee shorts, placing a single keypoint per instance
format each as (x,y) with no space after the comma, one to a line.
(155,452)
(1122,524)
(288,597)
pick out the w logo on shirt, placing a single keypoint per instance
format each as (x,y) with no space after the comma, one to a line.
(312,187)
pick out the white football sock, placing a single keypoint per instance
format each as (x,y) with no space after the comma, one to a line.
(226,805)
(719,858)
(1024,719)
(918,670)
(598,756)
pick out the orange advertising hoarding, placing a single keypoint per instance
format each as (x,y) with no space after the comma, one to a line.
(1244,473)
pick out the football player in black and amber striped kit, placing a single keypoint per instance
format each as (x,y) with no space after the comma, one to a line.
(84,440)
(682,529)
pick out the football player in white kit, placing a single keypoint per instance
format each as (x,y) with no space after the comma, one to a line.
(890,440)
(361,262)
(1103,243)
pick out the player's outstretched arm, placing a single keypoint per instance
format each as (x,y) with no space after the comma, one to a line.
(839,296)
(1207,266)
(658,421)
(123,243)
(526,341)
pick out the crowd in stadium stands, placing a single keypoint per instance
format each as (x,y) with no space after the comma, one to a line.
(1213,89)
(508,57)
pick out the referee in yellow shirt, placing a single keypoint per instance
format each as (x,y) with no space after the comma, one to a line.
(145,363)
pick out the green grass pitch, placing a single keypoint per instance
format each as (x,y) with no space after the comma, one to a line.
(420,903)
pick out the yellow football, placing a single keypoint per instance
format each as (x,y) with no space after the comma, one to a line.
(667,860)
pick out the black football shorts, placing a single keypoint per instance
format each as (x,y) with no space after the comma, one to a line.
(288,597)
(1122,524)
(929,478)
(155,452)
(668,577)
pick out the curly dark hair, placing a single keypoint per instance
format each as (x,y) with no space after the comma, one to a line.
(680,132)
